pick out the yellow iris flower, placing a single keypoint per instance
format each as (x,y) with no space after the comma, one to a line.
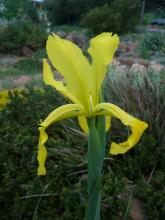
(82,86)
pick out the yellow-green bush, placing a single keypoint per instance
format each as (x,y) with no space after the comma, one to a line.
(4,98)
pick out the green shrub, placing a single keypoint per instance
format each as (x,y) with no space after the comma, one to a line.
(61,194)
(118,17)
(155,204)
(66,190)
(66,11)
(143,52)
(152,42)
(22,34)
(18,9)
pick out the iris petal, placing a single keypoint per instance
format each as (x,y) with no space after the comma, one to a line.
(83,124)
(63,112)
(135,124)
(48,78)
(69,60)
(107,122)
(102,49)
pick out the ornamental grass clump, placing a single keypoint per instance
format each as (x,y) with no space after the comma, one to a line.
(83,87)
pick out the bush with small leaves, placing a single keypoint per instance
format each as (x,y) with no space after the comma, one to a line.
(118,17)
(22,34)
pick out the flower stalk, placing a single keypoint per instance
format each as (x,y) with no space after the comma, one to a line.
(96,152)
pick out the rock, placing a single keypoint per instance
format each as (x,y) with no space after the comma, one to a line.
(128,47)
(80,40)
(130,61)
(137,212)
(143,62)
(61,34)
(127,62)
(159,21)
(136,207)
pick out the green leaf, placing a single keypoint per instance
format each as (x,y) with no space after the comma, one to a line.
(96,151)
(94,155)
(102,133)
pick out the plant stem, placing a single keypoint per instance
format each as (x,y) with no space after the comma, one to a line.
(96,152)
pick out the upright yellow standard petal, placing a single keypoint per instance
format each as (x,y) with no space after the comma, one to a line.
(135,124)
(102,49)
(69,60)
(63,112)
(48,78)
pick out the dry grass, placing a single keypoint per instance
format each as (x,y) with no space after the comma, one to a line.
(141,92)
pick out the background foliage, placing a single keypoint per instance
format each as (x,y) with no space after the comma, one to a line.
(152,43)
(66,11)
(96,15)
(61,194)
(20,34)
(18,9)
(118,16)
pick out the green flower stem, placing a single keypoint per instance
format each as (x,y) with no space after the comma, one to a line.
(96,153)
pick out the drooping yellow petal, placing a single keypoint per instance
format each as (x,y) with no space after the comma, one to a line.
(48,78)
(102,49)
(63,112)
(69,60)
(135,124)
